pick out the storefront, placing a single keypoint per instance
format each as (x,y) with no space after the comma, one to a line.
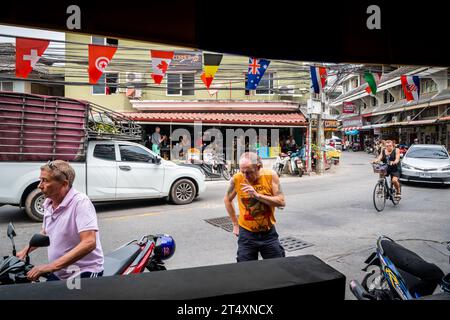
(263,132)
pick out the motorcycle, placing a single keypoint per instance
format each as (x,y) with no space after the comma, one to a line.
(133,257)
(289,160)
(214,167)
(402,274)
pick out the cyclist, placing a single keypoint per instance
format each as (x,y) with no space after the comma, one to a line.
(391,157)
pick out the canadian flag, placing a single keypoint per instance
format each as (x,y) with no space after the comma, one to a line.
(160,63)
(99,58)
(28,53)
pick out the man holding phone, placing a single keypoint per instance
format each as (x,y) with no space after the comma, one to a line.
(259,193)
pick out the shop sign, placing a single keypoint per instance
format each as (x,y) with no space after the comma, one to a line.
(353,122)
(186,61)
(348,108)
(407,130)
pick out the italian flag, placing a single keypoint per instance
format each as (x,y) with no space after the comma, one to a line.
(372,80)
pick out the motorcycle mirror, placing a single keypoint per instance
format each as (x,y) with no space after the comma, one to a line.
(39,240)
(11,234)
(11,231)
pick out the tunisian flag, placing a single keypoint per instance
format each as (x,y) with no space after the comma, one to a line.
(160,63)
(28,53)
(99,58)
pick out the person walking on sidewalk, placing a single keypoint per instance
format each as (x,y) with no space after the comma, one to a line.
(259,193)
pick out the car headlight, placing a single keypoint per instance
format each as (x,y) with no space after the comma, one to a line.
(405,166)
(447,168)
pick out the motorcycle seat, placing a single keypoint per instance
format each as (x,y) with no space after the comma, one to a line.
(420,276)
(117,261)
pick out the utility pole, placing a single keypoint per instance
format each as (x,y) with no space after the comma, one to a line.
(320,136)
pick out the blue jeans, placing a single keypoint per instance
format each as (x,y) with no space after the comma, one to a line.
(252,243)
(53,277)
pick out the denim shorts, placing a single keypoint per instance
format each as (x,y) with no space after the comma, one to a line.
(265,243)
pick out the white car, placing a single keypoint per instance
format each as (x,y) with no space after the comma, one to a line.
(426,163)
(114,170)
(334,142)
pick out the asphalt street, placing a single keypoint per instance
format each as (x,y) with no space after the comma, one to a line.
(334,212)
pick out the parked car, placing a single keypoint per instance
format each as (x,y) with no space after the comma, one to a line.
(334,142)
(426,163)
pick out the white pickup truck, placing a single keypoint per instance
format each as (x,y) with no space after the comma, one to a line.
(95,141)
(113,170)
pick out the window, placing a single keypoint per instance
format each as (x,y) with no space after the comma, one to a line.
(105,41)
(6,86)
(354,83)
(134,154)
(107,84)
(387,96)
(105,152)
(429,113)
(265,85)
(427,86)
(180,84)
(373,101)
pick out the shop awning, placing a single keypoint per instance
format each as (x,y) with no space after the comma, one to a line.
(296,119)
(351,128)
(395,124)
(444,118)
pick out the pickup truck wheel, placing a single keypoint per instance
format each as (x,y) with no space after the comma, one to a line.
(183,192)
(33,205)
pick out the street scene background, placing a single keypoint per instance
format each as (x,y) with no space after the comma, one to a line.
(334,212)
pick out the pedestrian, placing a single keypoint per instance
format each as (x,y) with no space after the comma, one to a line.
(259,192)
(70,221)
(156,140)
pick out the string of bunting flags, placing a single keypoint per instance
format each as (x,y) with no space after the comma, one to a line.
(29,51)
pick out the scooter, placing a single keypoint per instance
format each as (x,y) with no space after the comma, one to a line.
(290,160)
(399,274)
(214,168)
(133,257)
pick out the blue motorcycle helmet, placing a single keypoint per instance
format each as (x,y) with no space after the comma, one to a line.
(164,246)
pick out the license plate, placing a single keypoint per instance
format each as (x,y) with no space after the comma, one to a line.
(425,175)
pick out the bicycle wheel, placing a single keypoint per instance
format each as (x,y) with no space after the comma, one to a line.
(394,200)
(379,196)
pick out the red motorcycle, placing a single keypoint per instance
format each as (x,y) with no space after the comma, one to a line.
(133,257)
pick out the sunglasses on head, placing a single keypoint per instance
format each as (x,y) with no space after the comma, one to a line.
(53,166)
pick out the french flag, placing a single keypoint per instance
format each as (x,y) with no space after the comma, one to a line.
(318,78)
(411,87)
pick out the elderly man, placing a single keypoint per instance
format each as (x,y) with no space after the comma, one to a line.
(70,221)
(259,193)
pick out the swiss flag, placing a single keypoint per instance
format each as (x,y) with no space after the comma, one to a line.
(160,63)
(99,58)
(28,53)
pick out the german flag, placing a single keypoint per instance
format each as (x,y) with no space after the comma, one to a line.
(211,63)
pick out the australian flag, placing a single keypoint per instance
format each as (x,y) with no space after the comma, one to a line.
(256,69)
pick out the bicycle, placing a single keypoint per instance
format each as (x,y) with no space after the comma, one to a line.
(383,189)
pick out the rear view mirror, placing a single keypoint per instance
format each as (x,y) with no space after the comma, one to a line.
(11,231)
(11,234)
(158,160)
(39,240)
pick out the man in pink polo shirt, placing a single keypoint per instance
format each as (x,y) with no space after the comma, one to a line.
(70,221)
